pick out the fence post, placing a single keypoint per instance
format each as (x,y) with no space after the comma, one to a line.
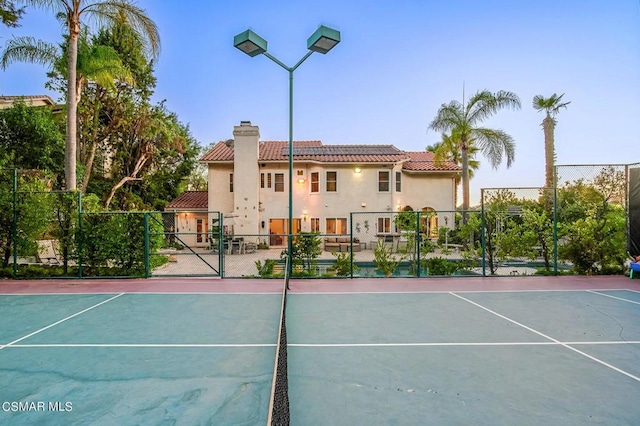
(14,225)
(147,269)
(417,241)
(555,220)
(79,236)
(221,243)
(482,234)
(351,248)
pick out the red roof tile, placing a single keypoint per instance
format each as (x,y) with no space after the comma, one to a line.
(189,200)
(316,151)
(422,161)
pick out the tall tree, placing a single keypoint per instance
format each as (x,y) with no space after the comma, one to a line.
(466,118)
(97,63)
(105,13)
(551,106)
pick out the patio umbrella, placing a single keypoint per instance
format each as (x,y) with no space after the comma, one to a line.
(233,219)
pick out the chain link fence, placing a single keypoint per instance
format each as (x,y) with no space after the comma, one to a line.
(580,227)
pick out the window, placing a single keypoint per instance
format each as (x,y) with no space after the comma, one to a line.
(398,181)
(268,180)
(261,180)
(278,182)
(315,182)
(332,181)
(199,230)
(336,225)
(383,181)
(315,224)
(384,225)
(230,182)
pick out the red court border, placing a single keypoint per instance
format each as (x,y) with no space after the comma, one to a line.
(357,285)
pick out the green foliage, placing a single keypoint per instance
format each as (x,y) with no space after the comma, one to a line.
(343,263)
(266,269)
(384,260)
(31,222)
(116,240)
(439,266)
(307,246)
(9,13)
(593,223)
(498,209)
(30,138)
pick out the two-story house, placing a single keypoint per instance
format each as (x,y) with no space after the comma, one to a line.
(248,180)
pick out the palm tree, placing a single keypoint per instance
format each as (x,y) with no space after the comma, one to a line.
(448,149)
(105,13)
(551,106)
(465,120)
(100,64)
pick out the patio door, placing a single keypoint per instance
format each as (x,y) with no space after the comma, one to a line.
(279,229)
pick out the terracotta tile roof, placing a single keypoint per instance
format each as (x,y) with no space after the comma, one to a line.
(189,200)
(422,161)
(316,151)
(274,150)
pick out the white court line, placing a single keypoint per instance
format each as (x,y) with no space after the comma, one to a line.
(144,293)
(146,345)
(61,321)
(454,344)
(294,293)
(310,345)
(550,338)
(613,297)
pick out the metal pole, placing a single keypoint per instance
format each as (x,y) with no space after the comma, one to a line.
(147,267)
(79,235)
(14,225)
(483,235)
(290,237)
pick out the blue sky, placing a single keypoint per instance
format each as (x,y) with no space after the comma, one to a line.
(397,63)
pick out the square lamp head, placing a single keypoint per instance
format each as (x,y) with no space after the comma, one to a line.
(323,40)
(250,43)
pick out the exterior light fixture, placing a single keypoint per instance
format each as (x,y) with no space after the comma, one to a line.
(322,40)
(250,43)
(301,180)
(357,170)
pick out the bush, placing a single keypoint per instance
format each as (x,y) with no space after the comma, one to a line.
(384,260)
(342,266)
(440,266)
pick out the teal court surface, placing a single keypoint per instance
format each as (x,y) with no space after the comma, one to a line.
(525,351)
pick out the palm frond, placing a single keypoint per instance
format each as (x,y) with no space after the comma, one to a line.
(494,144)
(448,117)
(29,49)
(484,104)
(550,105)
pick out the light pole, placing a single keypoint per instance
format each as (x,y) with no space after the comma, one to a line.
(321,41)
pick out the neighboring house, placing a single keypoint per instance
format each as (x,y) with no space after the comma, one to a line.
(36,100)
(189,223)
(248,178)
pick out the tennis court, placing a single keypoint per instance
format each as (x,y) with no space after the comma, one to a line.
(433,351)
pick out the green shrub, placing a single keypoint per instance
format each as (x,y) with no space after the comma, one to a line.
(266,269)
(342,266)
(384,260)
(440,266)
